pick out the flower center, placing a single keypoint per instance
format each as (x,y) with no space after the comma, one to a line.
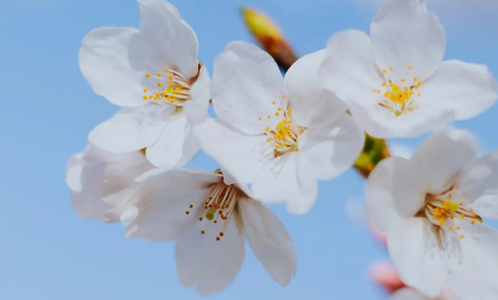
(219,206)
(398,97)
(285,134)
(166,88)
(443,209)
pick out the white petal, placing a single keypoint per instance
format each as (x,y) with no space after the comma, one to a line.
(441,156)
(479,180)
(408,294)
(405,34)
(302,201)
(391,194)
(468,89)
(104,62)
(473,274)
(238,153)
(91,207)
(176,146)
(278,182)
(212,264)
(331,150)
(196,109)
(165,196)
(415,253)
(96,154)
(167,31)
(269,240)
(246,80)
(132,129)
(349,69)
(74,168)
(312,105)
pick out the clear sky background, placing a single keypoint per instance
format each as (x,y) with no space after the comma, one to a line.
(47,252)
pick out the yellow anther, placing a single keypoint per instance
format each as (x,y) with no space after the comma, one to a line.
(384,84)
(159,84)
(279,109)
(473,222)
(384,71)
(259,118)
(418,95)
(158,74)
(273,102)
(268,140)
(276,147)
(147,75)
(391,68)
(169,90)
(374,90)
(450,228)
(170,76)
(462,236)
(276,114)
(458,227)
(462,215)
(269,117)
(402,80)
(267,129)
(471,210)
(150,97)
(409,67)
(145,90)
(461,203)
(145,97)
(415,79)
(155,98)
(283,96)
(166,70)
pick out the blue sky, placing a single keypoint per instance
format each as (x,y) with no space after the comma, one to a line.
(47,252)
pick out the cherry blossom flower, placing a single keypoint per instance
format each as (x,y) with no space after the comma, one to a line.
(279,135)
(395,81)
(154,75)
(209,215)
(432,208)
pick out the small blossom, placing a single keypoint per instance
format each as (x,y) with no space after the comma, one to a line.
(209,215)
(154,75)
(103,183)
(432,208)
(279,135)
(395,81)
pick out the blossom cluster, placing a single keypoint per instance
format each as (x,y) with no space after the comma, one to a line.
(276,136)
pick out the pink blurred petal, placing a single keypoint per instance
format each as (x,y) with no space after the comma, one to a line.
(385,275)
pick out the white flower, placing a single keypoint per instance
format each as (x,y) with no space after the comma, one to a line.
(431,208)
(209,215)
(280,135)
(396,83)
(153,73)
(102,182)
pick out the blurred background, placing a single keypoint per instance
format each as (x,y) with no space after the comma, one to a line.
(47,252)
